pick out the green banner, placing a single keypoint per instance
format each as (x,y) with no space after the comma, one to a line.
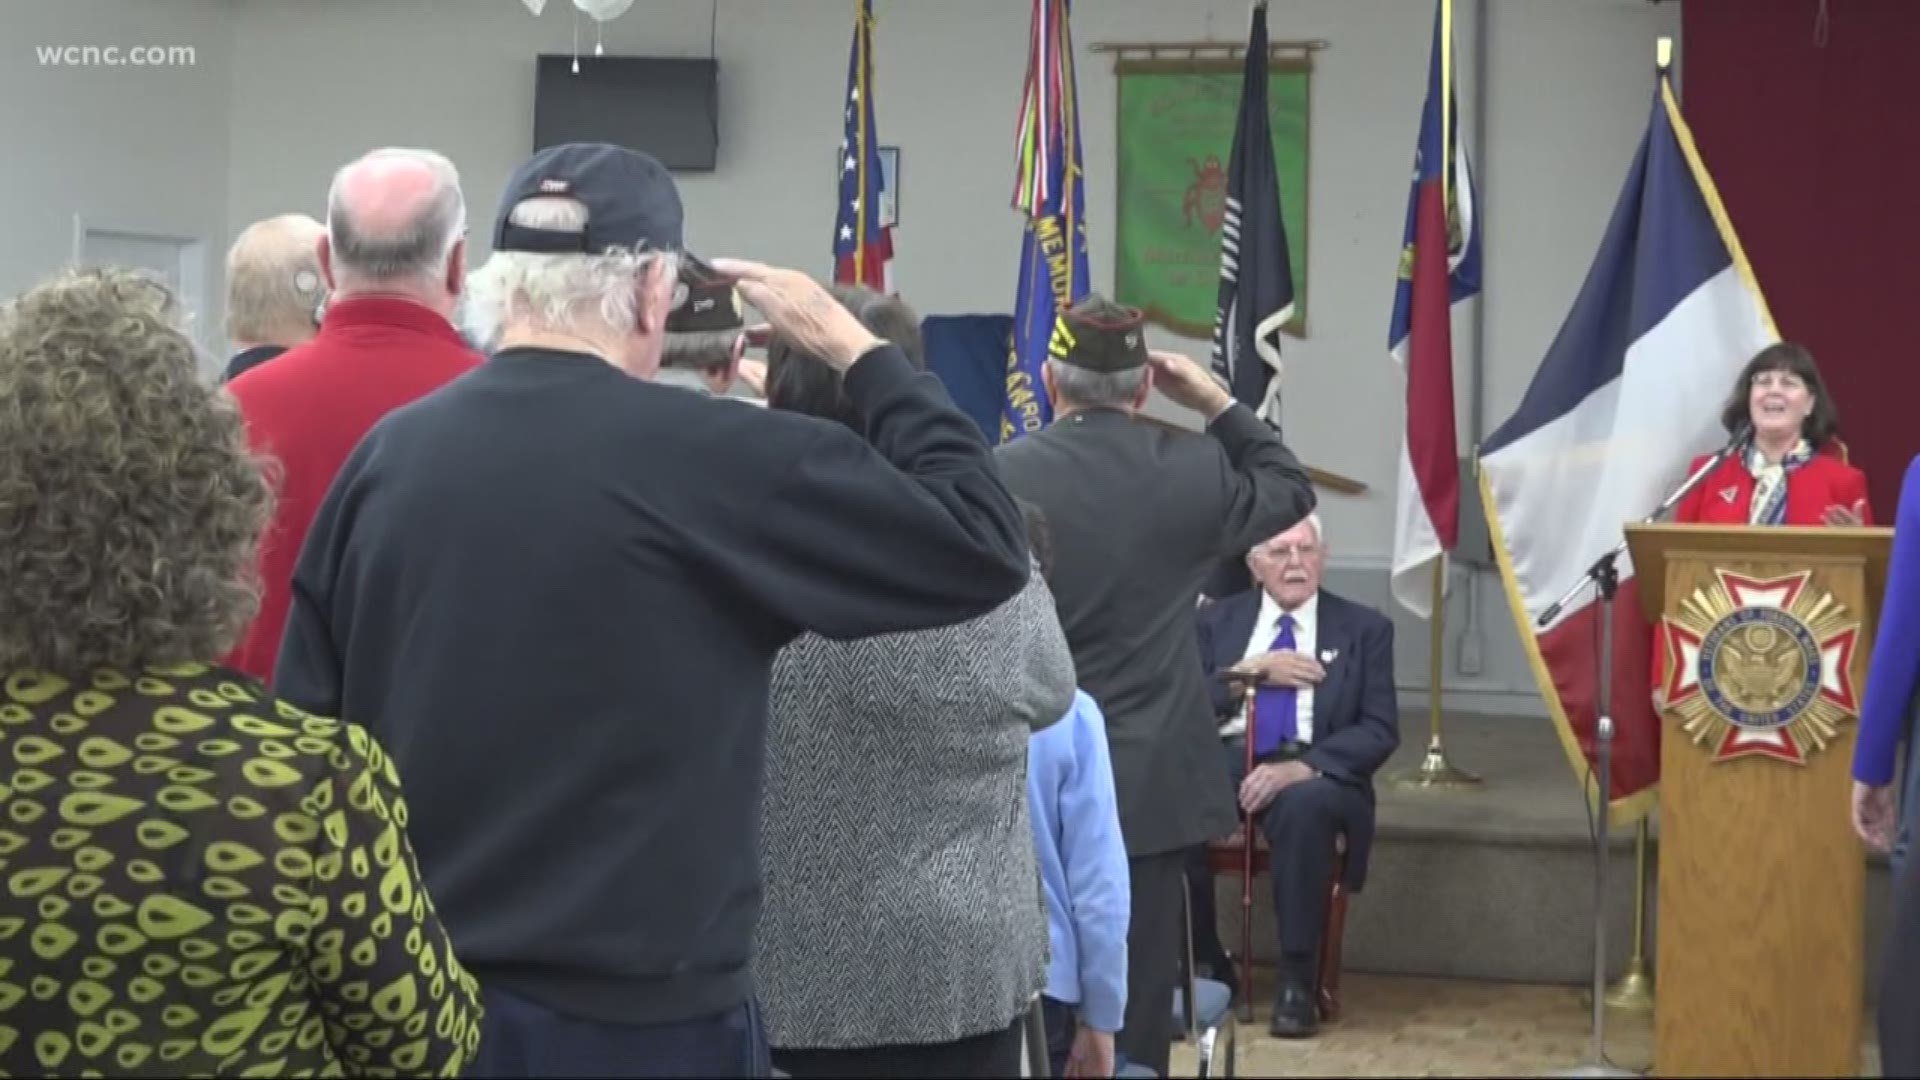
(1177,119)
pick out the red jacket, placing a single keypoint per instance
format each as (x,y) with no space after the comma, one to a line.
(308,409)
(1726,495)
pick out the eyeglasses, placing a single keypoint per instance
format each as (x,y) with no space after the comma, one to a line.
(1284,552)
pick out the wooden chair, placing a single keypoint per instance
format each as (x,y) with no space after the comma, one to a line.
(1231,856)
(1234,855)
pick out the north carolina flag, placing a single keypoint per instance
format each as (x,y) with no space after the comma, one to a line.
(862,247)
(1627,396)
(1439,268)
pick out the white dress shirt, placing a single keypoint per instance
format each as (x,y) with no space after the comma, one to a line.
(1266,627)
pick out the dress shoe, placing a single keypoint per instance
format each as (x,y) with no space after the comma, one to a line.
(1294,1014)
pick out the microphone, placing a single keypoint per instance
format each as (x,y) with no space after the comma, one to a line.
(1603,566)
(1740,437)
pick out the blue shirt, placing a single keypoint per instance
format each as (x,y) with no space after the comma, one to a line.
(1083,863)
(1896,650)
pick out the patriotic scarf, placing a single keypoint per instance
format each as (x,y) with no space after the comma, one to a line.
(1769,506)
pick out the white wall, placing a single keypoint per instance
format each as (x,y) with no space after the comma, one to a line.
(285,91)
(135,148)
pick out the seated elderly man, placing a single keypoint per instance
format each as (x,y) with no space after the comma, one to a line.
(1325,719)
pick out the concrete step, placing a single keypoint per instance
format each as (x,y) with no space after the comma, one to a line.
(1496,881)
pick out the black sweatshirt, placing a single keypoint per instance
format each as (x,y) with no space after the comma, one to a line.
(555,593)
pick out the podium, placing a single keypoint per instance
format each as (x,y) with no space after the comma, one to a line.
(1761,939)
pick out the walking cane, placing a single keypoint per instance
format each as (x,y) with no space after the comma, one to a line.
(1246,871)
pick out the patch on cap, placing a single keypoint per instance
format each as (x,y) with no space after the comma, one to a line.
(1109,343)
(631,200)
(703,301)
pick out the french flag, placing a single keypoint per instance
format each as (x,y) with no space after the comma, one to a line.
(1628,394)
(1439,268)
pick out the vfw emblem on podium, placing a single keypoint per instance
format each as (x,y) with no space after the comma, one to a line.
(1761,666)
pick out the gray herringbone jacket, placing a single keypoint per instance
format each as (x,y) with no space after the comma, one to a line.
(903,903)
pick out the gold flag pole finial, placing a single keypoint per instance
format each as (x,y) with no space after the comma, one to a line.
(1663,54)
(1434,770)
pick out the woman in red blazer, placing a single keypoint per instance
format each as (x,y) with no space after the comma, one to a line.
(1792,470)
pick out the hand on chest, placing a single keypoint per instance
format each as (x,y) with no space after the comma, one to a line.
(1306,659)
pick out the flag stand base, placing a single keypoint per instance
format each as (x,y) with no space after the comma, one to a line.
(1633,991)
(1435,771)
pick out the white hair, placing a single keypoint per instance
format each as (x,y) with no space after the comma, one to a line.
(273,280)
(1312,521)
(1095,389)
(573,292)
(421,248)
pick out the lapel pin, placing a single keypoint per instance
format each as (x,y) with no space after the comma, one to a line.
(1327,656)
(1728,494)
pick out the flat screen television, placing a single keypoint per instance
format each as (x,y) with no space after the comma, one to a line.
(667,107)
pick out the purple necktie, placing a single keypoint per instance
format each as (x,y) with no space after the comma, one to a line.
(1276,708)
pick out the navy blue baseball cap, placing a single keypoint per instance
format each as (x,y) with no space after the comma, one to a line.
(631,200)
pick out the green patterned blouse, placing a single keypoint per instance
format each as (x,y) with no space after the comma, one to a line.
(199,879)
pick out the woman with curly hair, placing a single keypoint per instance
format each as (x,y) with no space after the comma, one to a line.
(199,879)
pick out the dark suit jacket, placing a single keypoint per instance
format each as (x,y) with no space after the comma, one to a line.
(1356,713)
(1140,515)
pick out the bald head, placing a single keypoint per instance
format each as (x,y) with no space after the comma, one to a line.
(395,222)
(274,282)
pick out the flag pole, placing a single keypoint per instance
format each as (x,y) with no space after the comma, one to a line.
(1434,770)
(1633,991)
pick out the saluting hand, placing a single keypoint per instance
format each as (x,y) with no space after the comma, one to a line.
(753,375)
(801,310)
(1187,384)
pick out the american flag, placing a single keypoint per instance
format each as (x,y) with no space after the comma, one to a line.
(862,247)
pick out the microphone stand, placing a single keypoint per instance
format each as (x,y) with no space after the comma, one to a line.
(1604,576)
(1602,567)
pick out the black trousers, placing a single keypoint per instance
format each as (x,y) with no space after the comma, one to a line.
(1300,825)
(1899,1008)
(1063,1025)
(523,1038)
(994,1054)
(1156,939)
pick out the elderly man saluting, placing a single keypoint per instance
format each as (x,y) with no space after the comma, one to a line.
(1141,514)
(556,590)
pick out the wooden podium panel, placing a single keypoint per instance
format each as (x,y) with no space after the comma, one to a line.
(1761,965)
